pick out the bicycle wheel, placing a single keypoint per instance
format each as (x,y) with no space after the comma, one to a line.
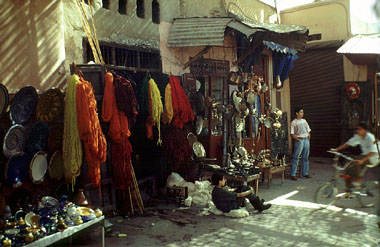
(369,194)
(326,194)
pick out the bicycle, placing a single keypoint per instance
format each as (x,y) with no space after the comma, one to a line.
(366,194)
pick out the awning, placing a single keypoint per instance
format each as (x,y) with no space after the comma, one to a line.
(362,49)
(279,48)
(210,31)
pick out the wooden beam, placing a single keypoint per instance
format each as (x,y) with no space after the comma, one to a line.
(193,59)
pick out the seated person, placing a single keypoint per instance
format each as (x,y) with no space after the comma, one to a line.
(369,156)
(226,201)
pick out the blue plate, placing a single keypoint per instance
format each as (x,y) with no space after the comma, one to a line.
(38,138)
(17,170)
(24,104)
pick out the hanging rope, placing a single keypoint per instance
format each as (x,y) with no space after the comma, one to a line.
(72,148)
(90,30)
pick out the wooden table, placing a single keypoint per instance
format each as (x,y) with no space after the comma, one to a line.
(270,171)
(251,180)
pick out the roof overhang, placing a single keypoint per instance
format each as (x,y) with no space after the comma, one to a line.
(362,49)
(210,31)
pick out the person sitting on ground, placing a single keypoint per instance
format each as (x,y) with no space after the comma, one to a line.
(369,156)
(226,200)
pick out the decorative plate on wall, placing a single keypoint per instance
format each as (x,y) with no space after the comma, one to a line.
(23,105)
(4,99)
(14,140)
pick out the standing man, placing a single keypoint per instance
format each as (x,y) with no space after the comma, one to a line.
(300,132)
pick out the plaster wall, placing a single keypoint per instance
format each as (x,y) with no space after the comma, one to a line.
(330,18)
(252,9)
(111,26)
(32,48)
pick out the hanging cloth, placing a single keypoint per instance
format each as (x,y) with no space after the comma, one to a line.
(125,98)
(71,146)
(167,116)
(91,133)
(157,107)
(282,64)
(182,112)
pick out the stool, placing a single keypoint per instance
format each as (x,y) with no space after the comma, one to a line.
(178,193)
(270,171)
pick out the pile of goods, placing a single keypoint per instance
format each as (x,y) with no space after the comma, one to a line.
(51,216)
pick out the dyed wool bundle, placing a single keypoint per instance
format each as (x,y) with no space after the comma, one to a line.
(72,147)
(182,112)
(91,133)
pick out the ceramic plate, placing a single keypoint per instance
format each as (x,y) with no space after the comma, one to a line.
(23,105)
(38,167)
(4,99)
(12,231)
(56,166)
(191,138)
(14,140)
(50,105)
(49,201)
(16,170)
(38,138)
(84,211)
(199,150)
(28,218)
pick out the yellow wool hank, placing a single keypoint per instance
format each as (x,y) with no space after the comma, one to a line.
(157,107)
(72,147)
(168,111)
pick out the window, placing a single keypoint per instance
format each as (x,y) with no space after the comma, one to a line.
(155,12)
(106,4)
(123,7)
(123,57)
(140,9)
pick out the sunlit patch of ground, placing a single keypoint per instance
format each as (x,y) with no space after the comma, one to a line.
(294,223)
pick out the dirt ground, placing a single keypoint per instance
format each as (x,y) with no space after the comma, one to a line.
(293,220)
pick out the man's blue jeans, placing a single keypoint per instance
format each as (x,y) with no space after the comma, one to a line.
(301,147)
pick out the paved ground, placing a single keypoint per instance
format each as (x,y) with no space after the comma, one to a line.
(293,220)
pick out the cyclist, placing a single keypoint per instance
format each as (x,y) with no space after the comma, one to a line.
(369,156)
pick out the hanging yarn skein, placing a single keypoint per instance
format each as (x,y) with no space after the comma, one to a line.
(90,131)
(72,147)
(168,110)
(157,107)
(182,112)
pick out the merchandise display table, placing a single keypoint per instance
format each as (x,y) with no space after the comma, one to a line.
(48,240)
(251,180)
(270,171)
